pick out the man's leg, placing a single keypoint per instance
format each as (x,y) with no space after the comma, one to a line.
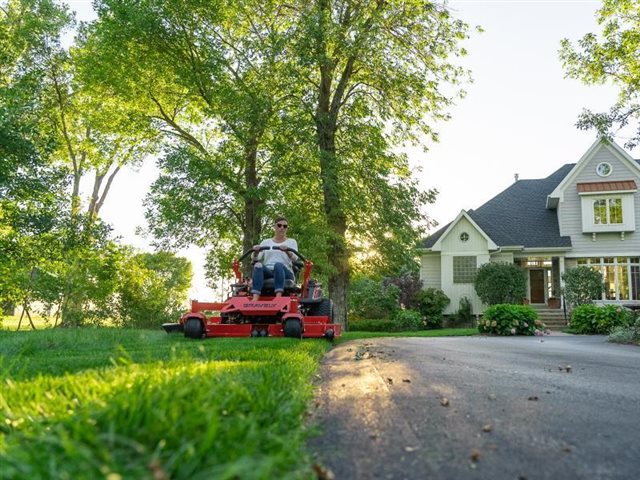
(257,280)
(279,274)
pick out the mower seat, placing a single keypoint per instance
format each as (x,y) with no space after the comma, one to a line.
(269,284)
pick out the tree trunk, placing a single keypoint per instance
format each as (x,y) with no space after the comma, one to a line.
(252,203)
(336,219)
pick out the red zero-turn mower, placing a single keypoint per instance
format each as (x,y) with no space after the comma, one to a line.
(301,311)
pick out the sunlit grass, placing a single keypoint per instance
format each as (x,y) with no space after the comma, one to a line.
(108,403)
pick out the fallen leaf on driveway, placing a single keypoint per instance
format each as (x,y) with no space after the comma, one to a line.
(406,380)
(444,401)
(487,428)
(475,455)
(410,449)
(323,473)
(566,368)
(390,381)
(492,396)
(533,398)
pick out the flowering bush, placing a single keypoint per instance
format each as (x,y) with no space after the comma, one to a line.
(599,319)
(507,319)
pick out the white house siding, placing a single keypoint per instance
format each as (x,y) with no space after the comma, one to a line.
(570,213)
(452,246)
(430,270)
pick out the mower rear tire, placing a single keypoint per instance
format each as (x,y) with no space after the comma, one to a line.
(293,328)
(323,309)
(193,328)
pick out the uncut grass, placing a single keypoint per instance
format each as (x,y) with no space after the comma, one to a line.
(109,403)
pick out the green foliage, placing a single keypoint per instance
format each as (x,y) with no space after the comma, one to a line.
(508,319)
(408,320)
(403,321)
(582,285)
(144,402)
(611,56)
(153,289)
(431,303)
(626,334)
(498,283)
(371,299)
(594,319)
(373,325)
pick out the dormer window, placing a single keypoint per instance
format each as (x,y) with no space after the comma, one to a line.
(608,206)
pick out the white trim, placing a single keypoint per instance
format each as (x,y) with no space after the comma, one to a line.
(610,192)
(437,247)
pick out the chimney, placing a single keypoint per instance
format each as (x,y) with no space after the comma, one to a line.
(516,176)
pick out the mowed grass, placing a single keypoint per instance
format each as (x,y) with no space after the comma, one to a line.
(130,404)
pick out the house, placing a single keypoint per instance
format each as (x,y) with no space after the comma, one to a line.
(587,213)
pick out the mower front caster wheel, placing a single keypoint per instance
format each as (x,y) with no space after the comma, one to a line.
(193,328)
(293,328)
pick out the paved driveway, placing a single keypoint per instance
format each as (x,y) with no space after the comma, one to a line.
(562,407)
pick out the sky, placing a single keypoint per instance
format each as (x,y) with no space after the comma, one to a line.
(518,116)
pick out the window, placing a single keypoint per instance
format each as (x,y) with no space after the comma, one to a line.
(621,276)
(464,269)
(607,211)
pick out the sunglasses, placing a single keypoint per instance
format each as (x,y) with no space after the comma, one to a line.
(282,225)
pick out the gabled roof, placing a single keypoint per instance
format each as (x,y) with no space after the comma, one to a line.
(557,194)
(436,246)
(518,216)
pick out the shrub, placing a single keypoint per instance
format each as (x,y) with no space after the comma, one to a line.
(626,334)
(369,298)
(153,289)
(431,303)
(582,285)
(373,325)
(594,319)
(507,319)
(408,320)
(465,311)
(409,284)
(498,283)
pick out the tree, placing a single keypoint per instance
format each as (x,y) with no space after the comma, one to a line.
(611,58)
(152,289)
(209,75)
(31,188)
(376,70)
(582,285)
(498,283)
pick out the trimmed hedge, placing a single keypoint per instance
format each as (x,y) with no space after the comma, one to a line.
(403,321)
(594,319)
(507,319)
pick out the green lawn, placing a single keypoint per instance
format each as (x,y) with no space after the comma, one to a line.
(129,404)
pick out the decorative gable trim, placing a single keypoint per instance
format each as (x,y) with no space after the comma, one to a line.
(437,247)
(558,194)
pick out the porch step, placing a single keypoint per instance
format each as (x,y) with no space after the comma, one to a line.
(552,318)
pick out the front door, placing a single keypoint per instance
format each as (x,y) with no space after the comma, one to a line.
(536,284)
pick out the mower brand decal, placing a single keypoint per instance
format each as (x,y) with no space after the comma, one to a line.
(260,305)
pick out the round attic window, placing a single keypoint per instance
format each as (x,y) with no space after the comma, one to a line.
(604,169)
(464,236)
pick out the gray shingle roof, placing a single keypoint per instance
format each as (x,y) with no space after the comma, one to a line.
(518,215)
